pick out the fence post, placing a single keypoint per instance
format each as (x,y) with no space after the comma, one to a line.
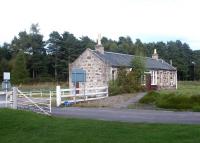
(58,96)
(95,88)
(107,91)
(50,102)
(14,98)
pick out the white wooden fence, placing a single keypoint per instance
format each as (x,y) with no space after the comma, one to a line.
(6,99)
(39,102)
(36,101)
(79,94)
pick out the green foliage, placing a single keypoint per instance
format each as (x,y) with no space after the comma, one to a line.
(27,127)
(196,108)
(149,98)
(172,100)
(126,82)
(52,57)
(19,73)
(114,89)
(138,68)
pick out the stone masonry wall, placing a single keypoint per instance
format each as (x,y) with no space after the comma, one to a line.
(166,79)
(96,70)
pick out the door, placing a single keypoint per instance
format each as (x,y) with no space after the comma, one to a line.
(77,86)
(148,81)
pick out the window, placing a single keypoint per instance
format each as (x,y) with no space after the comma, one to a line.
(153,77)
(143,79)
(113,74)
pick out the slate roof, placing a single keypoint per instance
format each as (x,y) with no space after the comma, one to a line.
(119,60)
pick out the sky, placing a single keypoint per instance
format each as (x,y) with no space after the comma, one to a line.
(148,20)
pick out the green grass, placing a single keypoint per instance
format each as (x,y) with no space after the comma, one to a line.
(186,88)
(27,127)
(44,86)
(186,97)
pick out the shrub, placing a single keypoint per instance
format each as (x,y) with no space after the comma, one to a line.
(173,101)
(150,97)
(114,89)
(196,108)
(125,83)
(195,98)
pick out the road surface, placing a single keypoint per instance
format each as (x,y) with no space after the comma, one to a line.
(129,115)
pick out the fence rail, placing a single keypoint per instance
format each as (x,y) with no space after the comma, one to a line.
(43,105)
(80,94)
(39,93)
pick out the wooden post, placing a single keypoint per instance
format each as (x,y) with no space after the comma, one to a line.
(176,80)
(14,98)
(58,96)
(107,91)
(50,102)
(74,98)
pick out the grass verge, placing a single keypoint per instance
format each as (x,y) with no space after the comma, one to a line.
(21,126)
(172,100)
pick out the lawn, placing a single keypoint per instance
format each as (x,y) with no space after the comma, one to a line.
(28,127)
(186,97)
(186,88)
(43,86)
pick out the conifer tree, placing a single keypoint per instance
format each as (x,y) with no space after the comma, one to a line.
(19,73)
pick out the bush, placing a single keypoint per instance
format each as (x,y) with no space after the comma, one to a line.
(150,97)
(173,101)
(125,83)
(114,89)
(196,108)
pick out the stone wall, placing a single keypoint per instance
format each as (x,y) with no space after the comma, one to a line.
(97,72)
(166,79)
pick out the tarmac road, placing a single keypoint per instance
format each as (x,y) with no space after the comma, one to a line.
(2,97)
(129,115)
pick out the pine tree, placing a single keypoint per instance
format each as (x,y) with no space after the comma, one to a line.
(19,73)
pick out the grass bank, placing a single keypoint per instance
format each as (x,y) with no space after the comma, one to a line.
(186,97)
(20,126)
(185,88)
(44,86)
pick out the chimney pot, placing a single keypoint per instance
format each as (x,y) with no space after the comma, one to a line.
(155,55)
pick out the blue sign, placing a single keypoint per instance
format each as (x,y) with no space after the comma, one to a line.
(78,75)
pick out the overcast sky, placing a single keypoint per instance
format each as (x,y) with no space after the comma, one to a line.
(149,20)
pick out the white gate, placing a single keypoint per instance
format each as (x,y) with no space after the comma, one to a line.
(17,99)
(70,95)
(6,99)
(35,102)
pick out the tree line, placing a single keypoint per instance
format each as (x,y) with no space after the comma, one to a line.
(30,58)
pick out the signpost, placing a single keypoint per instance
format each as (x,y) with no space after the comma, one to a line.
(6,84)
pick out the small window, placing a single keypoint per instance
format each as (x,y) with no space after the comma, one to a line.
(88,57)
(113,74)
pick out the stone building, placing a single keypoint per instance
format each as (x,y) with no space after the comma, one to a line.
(102,66)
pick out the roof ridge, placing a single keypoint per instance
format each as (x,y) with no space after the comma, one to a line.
(119,53)
(132,55)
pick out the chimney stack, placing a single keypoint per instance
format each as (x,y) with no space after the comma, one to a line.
(171,62)
(99,48)
(155,55)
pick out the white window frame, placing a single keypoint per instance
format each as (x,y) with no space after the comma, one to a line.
(154,76)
